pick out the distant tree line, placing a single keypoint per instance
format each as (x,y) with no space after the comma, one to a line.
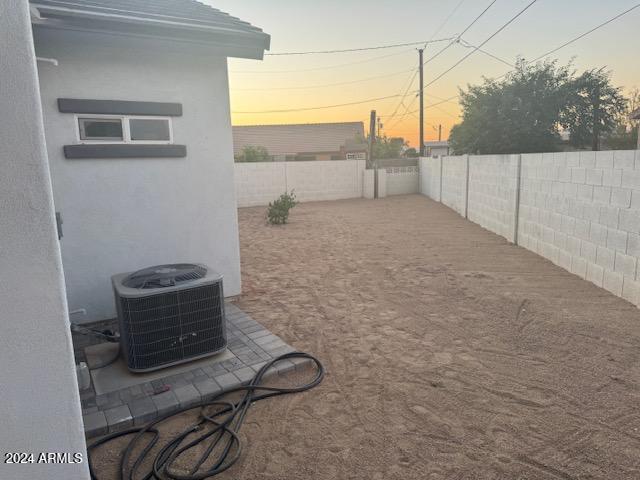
(390,147)
(530,107)
(253,154)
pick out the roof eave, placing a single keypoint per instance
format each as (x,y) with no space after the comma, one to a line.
(240,44)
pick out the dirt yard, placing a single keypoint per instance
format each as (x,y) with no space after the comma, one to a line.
(450,354)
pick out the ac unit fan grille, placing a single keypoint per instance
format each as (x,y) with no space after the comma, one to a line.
(162,276)
(169,327)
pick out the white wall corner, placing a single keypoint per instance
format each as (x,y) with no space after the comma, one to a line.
(39,399)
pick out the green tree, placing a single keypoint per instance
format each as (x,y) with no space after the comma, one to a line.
(519,113)
(411,153)
(388,147)
(625,134)
(253,154)
(593,109)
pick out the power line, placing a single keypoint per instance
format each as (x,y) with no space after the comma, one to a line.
(328,67)
(344,105)
(540,57)
(446,20)
(322,107)
(586,33)
(308,87)
(444,100)
(567,43)
(433,105)
(415,71)
(362,49)
(379,47)
(465,44)
(433,57)
(511,20)
(404,95)
(461,42)
(457,37)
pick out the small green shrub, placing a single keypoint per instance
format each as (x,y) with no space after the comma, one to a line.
(278,211)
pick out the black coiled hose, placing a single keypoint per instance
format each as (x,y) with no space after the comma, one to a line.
(219,429)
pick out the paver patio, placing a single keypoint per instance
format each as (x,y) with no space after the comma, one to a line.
(450,353)
(118,399)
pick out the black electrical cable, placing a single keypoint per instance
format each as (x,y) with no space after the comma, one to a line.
(218,427)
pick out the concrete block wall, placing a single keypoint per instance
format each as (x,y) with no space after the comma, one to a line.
(368,187)
(493,184)
(382,183)
(580,210)
(453,183)
(430,177)
(260,183)
(402,180)
(325,180)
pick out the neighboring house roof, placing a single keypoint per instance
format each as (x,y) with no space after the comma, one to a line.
(357,144)
(301,138)
(635,115)
(187,20)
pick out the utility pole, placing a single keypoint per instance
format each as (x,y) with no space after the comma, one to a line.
(439,132)
(372,136)
(596,119)
(420,52)
(373,163)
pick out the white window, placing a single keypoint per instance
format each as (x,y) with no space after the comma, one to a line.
(124,129)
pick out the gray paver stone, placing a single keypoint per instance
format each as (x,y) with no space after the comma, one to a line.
(118,418)
(207,388)
(95,424)
(143,410)
(245,374)
(227,380)
(187,395)
(165,402)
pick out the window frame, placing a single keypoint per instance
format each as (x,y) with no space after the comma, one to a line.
(126,131)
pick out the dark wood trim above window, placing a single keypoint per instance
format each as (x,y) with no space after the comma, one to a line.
(119,107)
(124,151)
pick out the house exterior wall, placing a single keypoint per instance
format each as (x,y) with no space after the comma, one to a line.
(39,401)
(124,214)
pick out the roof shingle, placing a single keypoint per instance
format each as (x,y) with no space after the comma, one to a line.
(170,15)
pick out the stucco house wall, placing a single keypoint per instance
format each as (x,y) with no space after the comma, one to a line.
(124,214)
(39,401)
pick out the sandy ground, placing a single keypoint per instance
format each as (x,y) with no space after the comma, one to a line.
(450,353)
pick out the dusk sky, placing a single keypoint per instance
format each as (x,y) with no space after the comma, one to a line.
(281,82)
